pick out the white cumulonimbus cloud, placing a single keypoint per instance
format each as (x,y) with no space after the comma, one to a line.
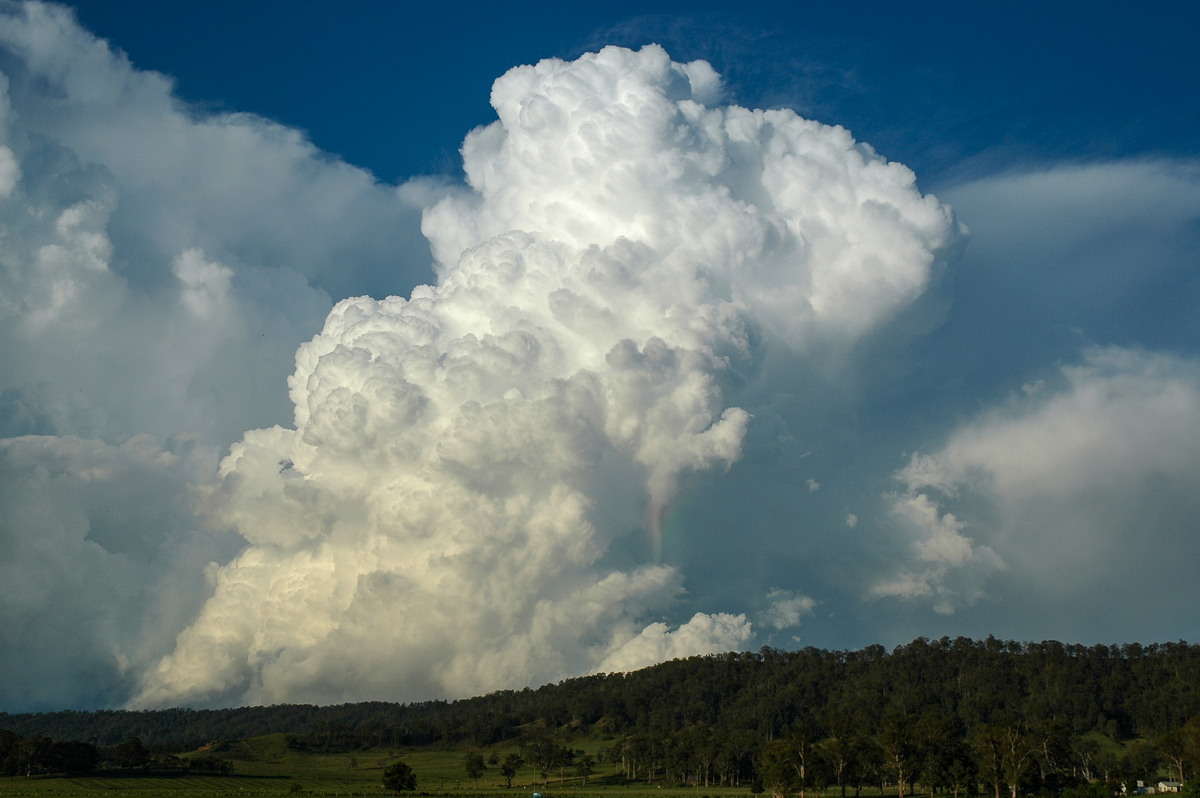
(436,520)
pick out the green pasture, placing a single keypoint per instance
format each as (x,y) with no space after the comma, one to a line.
(266,766)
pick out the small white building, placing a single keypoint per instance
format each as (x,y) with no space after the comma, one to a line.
(1167,786)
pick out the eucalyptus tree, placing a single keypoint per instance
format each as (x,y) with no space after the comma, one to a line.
(474,764)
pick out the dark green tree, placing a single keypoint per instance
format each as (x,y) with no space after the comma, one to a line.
(777,768)
(839,748)
(898,743)
(32,755)
(10,743)
(961,775)
(585,766)
(563,757)
(805,757)
(474,765)
(1173,749)
(1085,752)
(509,767)
(72,757)
(399,777)
(542,752)
(1018,751)
(131,754)
(935,735)
(987,744)
(1052,755)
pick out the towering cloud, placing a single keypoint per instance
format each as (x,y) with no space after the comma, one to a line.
(463,461)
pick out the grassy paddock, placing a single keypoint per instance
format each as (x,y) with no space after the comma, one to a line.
(248,787)
(265,766)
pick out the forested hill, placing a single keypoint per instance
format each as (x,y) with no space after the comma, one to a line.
(1122,691)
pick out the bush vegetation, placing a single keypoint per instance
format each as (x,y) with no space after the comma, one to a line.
(953,716)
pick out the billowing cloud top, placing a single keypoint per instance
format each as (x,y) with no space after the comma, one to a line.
(625,252)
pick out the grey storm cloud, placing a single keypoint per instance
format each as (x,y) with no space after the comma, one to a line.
(664,376)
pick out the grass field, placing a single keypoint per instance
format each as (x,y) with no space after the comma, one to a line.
(266,766)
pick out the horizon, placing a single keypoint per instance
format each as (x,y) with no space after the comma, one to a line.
(1121,650)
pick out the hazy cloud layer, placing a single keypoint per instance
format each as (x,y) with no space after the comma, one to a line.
(685,377)
(103,562)
(1075,481)
(1079,486)
(125,211)
(158,269)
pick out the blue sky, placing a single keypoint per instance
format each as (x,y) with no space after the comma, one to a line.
(943,87)
(304,409)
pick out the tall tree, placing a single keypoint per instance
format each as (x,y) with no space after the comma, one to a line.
(842,748)
(474,765)
(1017,751)
(804,756)
(1085,754)
(896,740)
(777,768)
(1051,744)
(1172,747)
(509,767)
(585,765)
(988,746)
(935,735)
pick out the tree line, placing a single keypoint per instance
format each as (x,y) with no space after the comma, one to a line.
(928,753)
(37,755)
(933,712)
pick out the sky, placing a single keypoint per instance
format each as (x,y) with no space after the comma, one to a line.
(391,353)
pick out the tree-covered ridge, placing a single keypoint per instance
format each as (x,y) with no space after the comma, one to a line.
(1121,691)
